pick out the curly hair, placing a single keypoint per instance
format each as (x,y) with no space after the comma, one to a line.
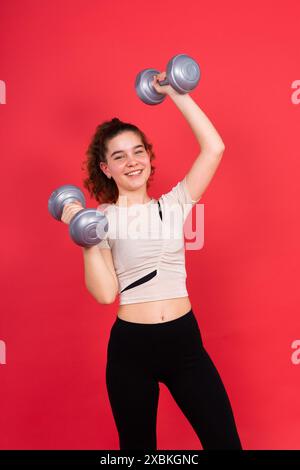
(104,189)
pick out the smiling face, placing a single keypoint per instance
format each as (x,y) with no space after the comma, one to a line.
(126,153)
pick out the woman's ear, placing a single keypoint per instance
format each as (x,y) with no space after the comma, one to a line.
(103,167)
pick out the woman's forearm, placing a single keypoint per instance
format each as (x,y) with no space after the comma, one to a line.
(204,131)
(99,280)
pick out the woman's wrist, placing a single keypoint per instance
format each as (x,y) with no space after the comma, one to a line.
(177,97)
(88,249)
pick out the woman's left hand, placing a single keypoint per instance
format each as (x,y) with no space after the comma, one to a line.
(163,89)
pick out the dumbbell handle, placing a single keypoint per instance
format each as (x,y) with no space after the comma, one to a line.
(164,82)
(69,200)
(72,199)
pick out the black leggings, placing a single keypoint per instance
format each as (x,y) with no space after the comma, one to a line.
(139,356)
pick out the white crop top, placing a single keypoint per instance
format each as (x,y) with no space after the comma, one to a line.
(147,244)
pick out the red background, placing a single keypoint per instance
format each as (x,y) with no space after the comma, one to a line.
(68,66)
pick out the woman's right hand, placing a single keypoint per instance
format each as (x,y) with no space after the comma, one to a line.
(70,210)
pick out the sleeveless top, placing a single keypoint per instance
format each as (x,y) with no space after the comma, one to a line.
(147,245)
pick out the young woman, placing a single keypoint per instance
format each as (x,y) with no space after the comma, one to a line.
(155,337)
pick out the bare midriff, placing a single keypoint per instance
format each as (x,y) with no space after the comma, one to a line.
(157,311)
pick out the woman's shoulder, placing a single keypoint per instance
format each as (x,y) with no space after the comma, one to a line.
(178,198)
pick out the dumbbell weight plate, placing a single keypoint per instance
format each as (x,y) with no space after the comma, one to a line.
(64,195)
(88,227)
(183,73)
(145,89)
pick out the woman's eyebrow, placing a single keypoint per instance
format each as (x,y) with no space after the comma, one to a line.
(118,151)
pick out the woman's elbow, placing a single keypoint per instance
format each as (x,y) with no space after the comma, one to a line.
(107,301)
(100,297)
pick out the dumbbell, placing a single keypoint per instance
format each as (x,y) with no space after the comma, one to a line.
(183,74)
(88,226)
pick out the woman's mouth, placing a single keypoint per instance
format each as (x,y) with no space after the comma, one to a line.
(132,174)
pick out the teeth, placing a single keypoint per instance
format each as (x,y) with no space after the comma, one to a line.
(134,172)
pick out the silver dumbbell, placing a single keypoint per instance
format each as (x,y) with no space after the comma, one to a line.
(183,74)
(88,226)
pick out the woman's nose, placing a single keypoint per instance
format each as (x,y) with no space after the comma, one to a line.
(131,158)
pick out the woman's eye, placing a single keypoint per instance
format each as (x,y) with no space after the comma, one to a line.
(140,151)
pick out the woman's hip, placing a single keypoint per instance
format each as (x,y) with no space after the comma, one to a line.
(154,342)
